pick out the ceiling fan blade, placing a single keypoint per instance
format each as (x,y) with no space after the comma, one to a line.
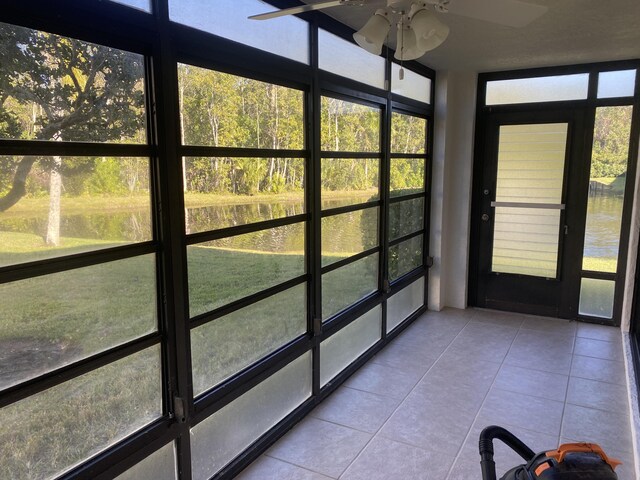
(512,13)
(294,10)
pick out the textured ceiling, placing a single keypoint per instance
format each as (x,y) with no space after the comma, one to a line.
(572,31)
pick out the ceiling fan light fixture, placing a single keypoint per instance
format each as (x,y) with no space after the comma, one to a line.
(407,45)
(371,37)
(430,31)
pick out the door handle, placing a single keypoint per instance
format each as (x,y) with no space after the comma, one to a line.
(566,229)
(485,217)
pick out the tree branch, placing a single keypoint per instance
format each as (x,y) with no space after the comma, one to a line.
(18,189)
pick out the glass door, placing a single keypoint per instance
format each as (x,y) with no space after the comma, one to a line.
(526,217)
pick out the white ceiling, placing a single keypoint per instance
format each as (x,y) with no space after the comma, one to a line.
(571,32)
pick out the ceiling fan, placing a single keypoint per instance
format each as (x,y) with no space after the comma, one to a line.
(419,28)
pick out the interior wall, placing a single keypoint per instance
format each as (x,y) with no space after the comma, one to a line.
(634,237)
(451,188)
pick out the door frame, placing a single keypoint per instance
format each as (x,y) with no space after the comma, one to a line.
(562,291)
(588,106)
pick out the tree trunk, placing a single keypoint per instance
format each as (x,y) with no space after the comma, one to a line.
(55,192)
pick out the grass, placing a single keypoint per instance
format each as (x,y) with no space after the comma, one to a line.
(50,432)
(84,311)
(595,264)
(84,204)
(29,207)
(71,315)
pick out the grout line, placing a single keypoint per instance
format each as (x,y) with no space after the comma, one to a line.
(296,465)
(484,400)
(566,393)
(341,425)
(402,402)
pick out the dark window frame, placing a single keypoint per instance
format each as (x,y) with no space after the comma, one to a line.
(164,44)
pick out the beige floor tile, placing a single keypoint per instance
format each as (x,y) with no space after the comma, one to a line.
(594,394)
(384,459)
(383,380)
(271,468)
(356,409)
(598,369)
(320,446)
(533,413)
(609,429)
(532,382)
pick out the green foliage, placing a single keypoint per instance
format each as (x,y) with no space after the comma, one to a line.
(349,127)
(58,88)
(62,89)
(611,141)
(407,133)
(407,174)
(106,178)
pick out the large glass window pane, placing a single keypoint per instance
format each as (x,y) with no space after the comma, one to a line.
(621,83)
(347,234)
(406,217)
(408,133)
(54,320)
(224,110)
(225,434)
(348,284)
(225,192)
(348,181)
(405,257)
(349,127)
(139,4)
(225,270)
(63,89)
(538,89)
(525,241)
(401,305)
(413,85)
(596,297)
(225,346)
(160,465)
(286,36)
(407,176)
(345,58)
(72,205)
(609,161)
(50,432)
(339,350)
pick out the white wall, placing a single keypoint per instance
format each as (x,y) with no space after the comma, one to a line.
(451,188)
(634,236)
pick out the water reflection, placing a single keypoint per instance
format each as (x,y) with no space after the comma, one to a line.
(602,235)
(214,217)
(131,226)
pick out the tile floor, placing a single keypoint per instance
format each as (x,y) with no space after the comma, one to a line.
(416,409)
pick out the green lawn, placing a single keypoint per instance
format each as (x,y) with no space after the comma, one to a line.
(594,264)
(57,319)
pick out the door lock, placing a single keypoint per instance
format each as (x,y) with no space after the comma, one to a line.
(485,217)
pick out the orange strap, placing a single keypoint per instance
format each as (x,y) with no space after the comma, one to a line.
(566,448)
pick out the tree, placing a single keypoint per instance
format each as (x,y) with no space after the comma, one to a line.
(611,141)
(61,89)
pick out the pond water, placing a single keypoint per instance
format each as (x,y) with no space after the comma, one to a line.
(602,235)
(344,234)
(22,238)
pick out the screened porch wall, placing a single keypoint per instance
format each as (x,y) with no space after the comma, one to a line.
(183,321)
